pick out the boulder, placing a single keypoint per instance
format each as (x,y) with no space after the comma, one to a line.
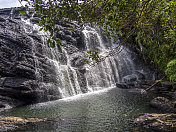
(136,76)
(162,104)
(129,78)
(138,91)
(167,85)
(122,85)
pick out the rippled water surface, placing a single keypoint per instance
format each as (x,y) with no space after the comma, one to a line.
(109,110)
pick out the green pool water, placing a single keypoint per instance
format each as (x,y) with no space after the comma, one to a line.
(109,110)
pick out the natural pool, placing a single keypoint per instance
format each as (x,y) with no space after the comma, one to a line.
(109,110)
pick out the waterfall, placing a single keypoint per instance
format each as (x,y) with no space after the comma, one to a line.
(103,75)
(49,74)
(109,72)
(65,75)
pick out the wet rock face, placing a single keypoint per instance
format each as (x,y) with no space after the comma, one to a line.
(136,76)
(133,80)
(129,78)
(27,72)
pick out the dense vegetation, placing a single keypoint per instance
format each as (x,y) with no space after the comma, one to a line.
(151,24)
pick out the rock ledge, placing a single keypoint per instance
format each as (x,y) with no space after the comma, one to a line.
(157,122)
(12,123)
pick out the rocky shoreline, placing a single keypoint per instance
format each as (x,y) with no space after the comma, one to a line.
(165,119)
(156,122)
(165,103)
(13,123)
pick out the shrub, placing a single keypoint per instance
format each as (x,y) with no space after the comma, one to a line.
(171,70)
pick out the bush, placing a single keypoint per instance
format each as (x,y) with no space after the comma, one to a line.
(171,70)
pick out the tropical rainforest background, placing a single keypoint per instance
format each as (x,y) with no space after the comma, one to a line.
(148,24)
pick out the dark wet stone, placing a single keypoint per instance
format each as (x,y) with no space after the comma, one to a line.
(167,85)
(129,78)
(77,60)
(2,106)
(138,91)
(163,104)
(156,122)
(122,85)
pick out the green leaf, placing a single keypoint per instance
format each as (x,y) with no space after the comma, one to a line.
(48,41)
(52,44)
(59,47)
(40,29)
(86,61)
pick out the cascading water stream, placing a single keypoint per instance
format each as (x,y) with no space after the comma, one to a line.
(113,68)
(103,75)
(66,86)
(99,76)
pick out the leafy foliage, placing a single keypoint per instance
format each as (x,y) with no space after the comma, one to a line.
(171,70)
(151,22)
(92,56)
(157,31)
